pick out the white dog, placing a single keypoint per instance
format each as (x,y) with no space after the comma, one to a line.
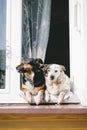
(57,82)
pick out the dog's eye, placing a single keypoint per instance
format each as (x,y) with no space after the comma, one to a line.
(48,70)
(56,71)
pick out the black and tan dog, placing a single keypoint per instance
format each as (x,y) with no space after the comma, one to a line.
(33,79)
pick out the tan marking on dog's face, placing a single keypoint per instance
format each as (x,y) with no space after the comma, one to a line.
(19,67)
(24,66)
(26,69)
(29,71)
(29,75)
(27,66)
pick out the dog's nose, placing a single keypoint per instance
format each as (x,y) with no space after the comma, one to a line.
(17,68)
(52,77)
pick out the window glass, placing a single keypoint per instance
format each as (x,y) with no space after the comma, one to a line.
(2,43)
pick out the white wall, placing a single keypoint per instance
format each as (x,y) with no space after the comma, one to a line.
(78,47)
(85,45)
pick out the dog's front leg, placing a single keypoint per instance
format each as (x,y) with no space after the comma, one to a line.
(61,97)
(39,97)
(47,96)
(28,96)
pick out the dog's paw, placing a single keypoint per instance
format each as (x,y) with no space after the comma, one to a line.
(61,97)
(47,98)
(59,101)
(29,99)
(39,98)
(38,101)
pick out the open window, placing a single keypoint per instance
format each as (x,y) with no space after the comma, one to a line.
(68,25)
(58,44)
(68,33)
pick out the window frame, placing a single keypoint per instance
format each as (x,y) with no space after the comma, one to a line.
(78,48)
(11,93)
(14,39)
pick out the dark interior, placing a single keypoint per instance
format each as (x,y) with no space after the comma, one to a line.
(58,44)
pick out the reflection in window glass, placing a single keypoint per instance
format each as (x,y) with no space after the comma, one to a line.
(2,43)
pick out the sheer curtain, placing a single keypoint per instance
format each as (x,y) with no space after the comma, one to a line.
(36,25)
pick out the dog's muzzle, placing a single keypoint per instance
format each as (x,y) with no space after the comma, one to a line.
(52,77)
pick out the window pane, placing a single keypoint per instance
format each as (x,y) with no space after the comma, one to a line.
(2,43)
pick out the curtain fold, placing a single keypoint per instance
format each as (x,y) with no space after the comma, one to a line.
(26,30)
(36,25)
(44,28)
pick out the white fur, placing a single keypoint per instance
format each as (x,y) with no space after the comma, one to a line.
(59,85)
(30,92)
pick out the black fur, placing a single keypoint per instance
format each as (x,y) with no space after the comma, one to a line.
(39,77)
(36,63)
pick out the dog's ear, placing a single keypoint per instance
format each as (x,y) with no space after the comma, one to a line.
(62,68)
(24,62)
(39,61)
(44,67)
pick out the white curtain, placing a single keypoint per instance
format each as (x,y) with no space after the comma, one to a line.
(36,26)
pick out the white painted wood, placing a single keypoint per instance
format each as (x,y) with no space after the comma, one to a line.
(78,48)
(13,37)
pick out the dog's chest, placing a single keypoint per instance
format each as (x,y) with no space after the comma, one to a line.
(53,89)
(33,90)
(30,87)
